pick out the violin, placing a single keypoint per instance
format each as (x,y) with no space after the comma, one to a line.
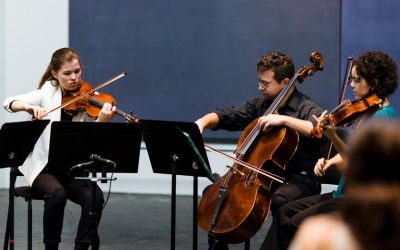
(91,103)
(348,111)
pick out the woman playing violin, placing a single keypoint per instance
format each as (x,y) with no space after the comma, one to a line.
(372,73)
(62,76)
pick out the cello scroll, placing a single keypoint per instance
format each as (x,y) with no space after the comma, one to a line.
(317,60)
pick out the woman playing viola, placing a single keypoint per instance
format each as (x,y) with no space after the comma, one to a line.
(372,73)
(62,76)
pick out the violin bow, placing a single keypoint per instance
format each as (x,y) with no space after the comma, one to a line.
(87,93)
(342,92)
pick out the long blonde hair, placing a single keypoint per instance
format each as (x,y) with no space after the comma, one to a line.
(58,59)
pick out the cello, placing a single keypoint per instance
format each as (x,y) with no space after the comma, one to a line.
(234,208)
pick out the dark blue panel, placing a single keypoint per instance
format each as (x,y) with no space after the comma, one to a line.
(186,57)
(372,25)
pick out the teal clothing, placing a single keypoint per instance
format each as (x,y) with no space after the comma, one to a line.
(339,190)
(387,113)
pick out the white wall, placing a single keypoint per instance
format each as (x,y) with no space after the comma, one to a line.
(2,51)
(30,31)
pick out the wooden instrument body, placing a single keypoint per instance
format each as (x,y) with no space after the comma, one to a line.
(246,202)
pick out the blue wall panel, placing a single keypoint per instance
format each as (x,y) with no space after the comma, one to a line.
(186,57)
(372,25)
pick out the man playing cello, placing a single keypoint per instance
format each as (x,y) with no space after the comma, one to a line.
(274,72)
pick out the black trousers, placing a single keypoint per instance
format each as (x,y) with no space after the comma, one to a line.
(297,186)
(56,191)
(288,218)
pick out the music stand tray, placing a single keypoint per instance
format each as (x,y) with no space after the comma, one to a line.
(72,143)
(165,140)
(177,148)
(75,143)
(17,140)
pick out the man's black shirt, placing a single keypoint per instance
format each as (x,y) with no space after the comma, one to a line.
(298,106)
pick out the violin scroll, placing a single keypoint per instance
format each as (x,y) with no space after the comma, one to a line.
(317,60)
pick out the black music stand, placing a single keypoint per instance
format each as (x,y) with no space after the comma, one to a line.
(177,148)
(17,140)
(92,146)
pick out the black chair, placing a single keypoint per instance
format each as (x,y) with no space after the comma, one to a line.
(26,193)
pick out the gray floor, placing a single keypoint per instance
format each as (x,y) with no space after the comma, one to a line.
(130,221)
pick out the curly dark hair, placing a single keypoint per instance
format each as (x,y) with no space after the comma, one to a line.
(380,72)
(282,65)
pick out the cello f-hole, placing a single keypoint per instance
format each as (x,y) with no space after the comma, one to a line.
(249,179)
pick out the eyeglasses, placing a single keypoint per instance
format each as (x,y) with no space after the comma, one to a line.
(263,83)
(355,79)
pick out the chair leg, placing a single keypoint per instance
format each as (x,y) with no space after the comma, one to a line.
(9,234)
(247,245)
(29,224)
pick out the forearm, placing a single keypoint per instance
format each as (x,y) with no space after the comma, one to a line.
(16,106)
(208,121)
(340,146)
(304,127)
(338,161)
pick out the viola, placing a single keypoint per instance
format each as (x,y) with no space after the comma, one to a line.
(91,103)
(348,111)
(234,208)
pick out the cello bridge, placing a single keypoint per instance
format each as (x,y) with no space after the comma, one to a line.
(235,170)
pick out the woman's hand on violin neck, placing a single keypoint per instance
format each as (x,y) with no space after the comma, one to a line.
(326,124)
(107,113)
(322,117)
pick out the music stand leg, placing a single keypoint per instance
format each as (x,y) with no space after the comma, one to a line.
(195,188)
(173,209)
(7,233)
(93,213)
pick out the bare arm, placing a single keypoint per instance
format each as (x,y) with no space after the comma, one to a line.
(209,121)
(322,164)
(340,145)
(329,131)
(35,111)
(304,127)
